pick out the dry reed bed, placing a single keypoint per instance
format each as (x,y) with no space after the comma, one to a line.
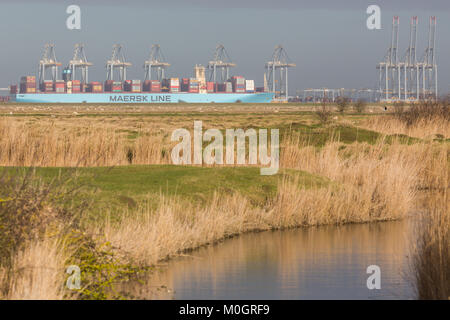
(368,183)
(431,259)
(431,254)
(149,236)
(48,146)
(425,128)
(37,272)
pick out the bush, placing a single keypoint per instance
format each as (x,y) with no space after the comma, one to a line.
(342,103)
(360,106)
(323,113)
(29,206)
(426,110)
(33,209)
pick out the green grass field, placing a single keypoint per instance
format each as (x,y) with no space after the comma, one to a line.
(126,186)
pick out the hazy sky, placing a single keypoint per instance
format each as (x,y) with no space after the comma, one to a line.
(327,39)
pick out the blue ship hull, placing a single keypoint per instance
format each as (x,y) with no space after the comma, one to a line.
(128,97)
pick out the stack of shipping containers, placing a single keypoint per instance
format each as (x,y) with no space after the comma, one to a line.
(76,86)
(171,85)
(95,87)
(60,86)
(250,86)
(185,84)
(113,86)
(116,86)
(174,85)
(47,86)
(226,87)
(27,84)
(210,87)
(108,85)
(152,86)
(127,86)
(136,86)
(194,85)
(132,86)
(238,84)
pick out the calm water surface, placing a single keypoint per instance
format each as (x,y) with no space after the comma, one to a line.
(311,263)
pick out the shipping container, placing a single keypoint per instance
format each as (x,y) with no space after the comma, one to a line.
(27,79)
(238,83)
(152,86)
(194,85)
(132,86)
(25,89)
(47,86)
(210,87)
(59,86)
(94,87)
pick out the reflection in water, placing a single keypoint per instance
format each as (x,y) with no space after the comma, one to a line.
(327,262)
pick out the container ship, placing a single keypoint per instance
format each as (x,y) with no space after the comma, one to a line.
(133,91)
(236,89)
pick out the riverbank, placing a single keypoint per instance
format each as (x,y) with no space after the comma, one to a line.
(333,172)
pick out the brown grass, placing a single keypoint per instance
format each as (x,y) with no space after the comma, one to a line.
(46,145)
(425,120)
(388,174)
(431,258)
(37,272)
(151,235)
(34,218)
(368,183)
(424,128)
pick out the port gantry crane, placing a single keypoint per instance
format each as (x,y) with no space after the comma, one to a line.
(79,61)
(219,67)
(48,61)
(117,61)
(428,65)
(389,73)
(409,79)
(409,67)
(156,64)
(277,72)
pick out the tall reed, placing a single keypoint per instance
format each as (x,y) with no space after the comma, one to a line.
(431,254)
(37,272)
(151,235)
(48,146)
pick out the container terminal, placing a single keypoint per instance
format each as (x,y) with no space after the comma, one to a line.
(218,87)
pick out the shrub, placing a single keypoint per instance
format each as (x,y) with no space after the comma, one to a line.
(323,113)
(360,106)
(342,103)
(426,110)
(29,206)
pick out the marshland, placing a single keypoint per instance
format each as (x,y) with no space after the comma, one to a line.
(94,186)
